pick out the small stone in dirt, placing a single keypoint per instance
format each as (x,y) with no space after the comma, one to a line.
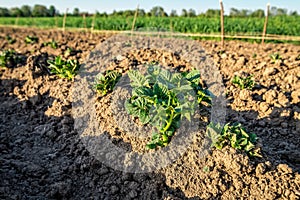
(35,99)
(245,95)
(262,123)
(241,61)
(284,168)
(132,194)
(270,96)
(270,71)
(260,169)
(114,189)
(282,99)
(263,106)
(284,125)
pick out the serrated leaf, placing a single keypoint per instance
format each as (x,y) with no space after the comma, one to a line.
(137,79)
(193,76)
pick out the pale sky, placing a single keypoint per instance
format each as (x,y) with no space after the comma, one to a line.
(110,5)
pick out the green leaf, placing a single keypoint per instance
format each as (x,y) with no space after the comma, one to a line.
(137,79)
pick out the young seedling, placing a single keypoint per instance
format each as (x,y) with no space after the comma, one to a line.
(10,40)
(105,83)
(162,99)
(9,58)
(53,44)
(275,57)
(31,39)
(233,135)
(70,52)
(63,68)
(243,83)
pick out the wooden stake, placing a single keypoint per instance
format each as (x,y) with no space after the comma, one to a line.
(56,23)
(64,21)
(17,21)
(134,19)
(265,24)
(84,22)
(222,23)
(93,22)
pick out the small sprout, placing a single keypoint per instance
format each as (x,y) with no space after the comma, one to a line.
(10,40)
(63,68)
(31,39)
(71,52)
(53,44)
(243,83)
(275,57)
(254,55)
(221,52)
(206,169)
(9,58)
(106,83)
(233,135)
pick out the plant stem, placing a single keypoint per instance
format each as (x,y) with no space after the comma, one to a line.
(169,121)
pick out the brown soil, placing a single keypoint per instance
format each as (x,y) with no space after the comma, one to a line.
(42,156)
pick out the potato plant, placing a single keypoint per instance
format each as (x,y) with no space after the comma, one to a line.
(233,135)
(162,99)
(64,68)
(106,82)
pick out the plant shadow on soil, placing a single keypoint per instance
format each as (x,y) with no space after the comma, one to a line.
(42,157)
(278,133)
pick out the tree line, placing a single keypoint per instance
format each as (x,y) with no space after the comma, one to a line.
(157,11)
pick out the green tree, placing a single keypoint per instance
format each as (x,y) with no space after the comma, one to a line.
(16,12)
(26,10)
(184,13)
(293,13)
(212,13)
(158,11)
(76,12)
(52,11)
(173,13)
(141,12)
(258,13)
(40,11)
(4,12)
(192,13)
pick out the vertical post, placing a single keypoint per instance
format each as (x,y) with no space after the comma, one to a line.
(17,21)
(93,22)
(222,22)
(134,19)
(265,24)
(64,21)
(56,23)
(84,21)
